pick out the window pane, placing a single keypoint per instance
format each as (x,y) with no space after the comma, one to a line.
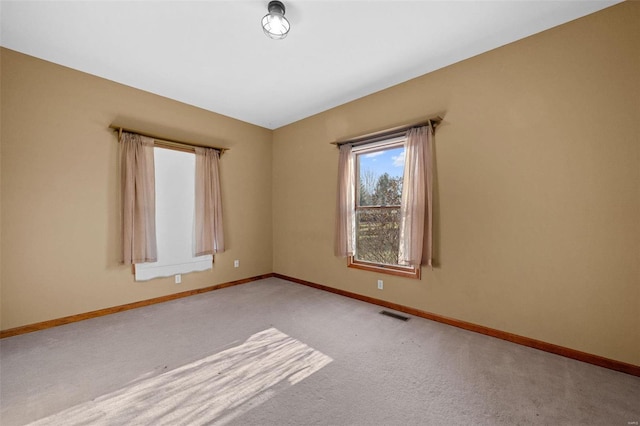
(380,174)
(380,177)
(378,235)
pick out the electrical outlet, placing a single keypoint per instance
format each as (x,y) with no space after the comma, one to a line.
(236,263)
(178,278)
(380,284)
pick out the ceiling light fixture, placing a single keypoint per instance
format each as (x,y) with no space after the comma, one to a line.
(274,24)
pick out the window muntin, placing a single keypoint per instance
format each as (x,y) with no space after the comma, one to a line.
(379,170)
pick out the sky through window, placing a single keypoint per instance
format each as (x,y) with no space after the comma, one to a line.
(389,161)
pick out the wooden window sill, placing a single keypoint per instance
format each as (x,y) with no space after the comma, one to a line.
(398,271)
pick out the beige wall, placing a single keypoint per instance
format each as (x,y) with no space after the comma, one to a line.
(537,195)
(60,227)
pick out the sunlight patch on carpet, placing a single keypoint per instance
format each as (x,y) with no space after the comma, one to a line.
(213,390)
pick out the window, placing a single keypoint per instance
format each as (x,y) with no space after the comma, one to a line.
(373,230)
(379,176)
(175,201)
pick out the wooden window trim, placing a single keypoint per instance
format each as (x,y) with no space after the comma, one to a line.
(398,271)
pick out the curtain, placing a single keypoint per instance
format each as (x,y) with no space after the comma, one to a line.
(416,214)
(209,234)
(345,205)
(138,199)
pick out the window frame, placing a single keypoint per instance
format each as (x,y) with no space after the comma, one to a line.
(353,261)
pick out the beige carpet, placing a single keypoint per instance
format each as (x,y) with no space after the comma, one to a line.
(278,353)
(213,390)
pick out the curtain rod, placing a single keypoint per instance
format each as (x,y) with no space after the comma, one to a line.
(388,133)
(163,142)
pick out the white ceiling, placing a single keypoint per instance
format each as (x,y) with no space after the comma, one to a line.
(214,55)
